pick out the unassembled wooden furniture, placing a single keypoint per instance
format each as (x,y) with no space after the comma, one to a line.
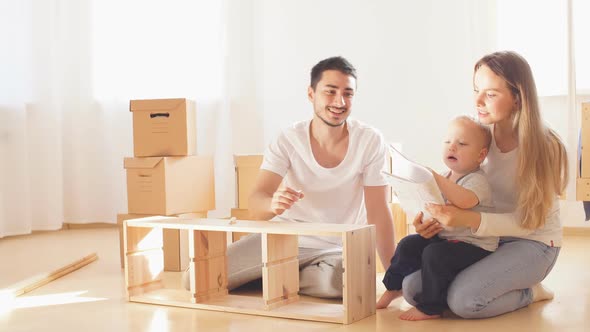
(280,268)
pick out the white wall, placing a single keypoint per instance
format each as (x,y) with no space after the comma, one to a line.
(414,63)
(408,81)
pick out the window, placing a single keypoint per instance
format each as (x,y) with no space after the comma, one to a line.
(153,49)
(537,29)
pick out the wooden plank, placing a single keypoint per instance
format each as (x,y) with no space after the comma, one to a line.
(175,247)
(208,263)
(37,281)
(279,246)
(208,243)
(359,290)
(280,283)
(121,217)
(144,267)
(141,238)
(145,288)
(280,271)
(247,226)
(209,278)
(303,310)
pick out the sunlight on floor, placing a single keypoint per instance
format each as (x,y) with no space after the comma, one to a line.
(159,321)
(94,298)
(21,302)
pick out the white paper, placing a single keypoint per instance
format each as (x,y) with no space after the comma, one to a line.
(413,184)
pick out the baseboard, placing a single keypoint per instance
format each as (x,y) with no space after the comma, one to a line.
(571,231)
(576,231)
(90,225)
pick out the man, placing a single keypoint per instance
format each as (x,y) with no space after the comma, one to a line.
(330,167)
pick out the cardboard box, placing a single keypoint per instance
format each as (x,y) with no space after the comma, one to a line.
(585,141)
(247,167)
(240,214)
(164,127)
(170,185)
(175,242)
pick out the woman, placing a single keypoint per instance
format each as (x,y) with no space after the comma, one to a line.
(527,169)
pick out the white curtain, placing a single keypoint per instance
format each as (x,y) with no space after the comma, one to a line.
(67,72)
(68,69)
(561,65)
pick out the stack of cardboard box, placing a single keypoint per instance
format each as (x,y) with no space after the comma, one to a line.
(583,180)
(165,177)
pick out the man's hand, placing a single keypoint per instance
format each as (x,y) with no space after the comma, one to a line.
(428,228)
(283,199)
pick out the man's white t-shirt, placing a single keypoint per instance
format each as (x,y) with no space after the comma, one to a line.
(332,195)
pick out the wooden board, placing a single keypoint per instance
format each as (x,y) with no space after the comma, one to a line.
(278,247)
(37,281)
(139,239)
(280,283)
(359,274)
(246,226)
(321,312)
(208,264)
(144,267)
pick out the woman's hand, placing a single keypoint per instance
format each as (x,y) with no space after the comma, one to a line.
(452,216)
(428,228)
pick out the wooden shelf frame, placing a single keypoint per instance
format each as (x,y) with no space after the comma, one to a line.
(208,282)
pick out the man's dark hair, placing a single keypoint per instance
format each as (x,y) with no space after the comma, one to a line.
(334,63)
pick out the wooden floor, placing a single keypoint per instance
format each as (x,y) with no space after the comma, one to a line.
(92,298)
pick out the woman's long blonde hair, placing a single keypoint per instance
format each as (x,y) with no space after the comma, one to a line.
(542,161)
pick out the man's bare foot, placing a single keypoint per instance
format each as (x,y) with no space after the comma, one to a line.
(415,314)
(387,297)
(541,293)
